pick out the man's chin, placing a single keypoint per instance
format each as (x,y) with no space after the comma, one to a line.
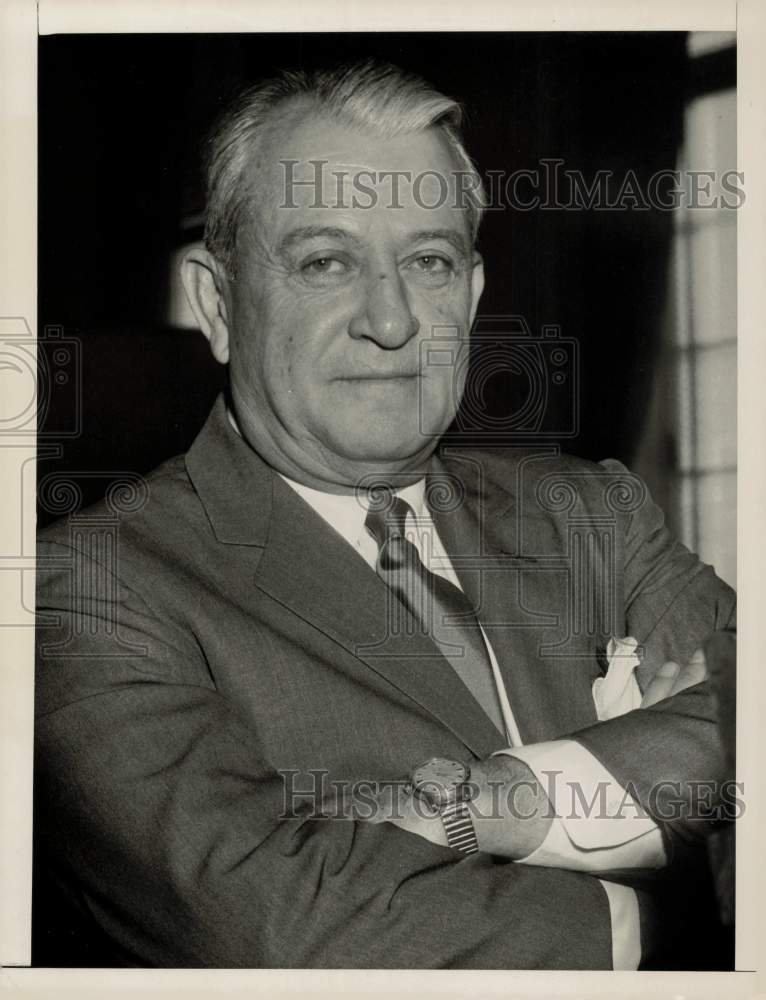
(385,450)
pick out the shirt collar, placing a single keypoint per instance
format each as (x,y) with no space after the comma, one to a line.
(347,512)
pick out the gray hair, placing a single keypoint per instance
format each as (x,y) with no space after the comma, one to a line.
(375,96)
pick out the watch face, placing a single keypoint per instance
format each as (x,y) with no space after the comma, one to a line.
(438,779)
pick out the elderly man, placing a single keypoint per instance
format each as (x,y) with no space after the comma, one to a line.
(314,603)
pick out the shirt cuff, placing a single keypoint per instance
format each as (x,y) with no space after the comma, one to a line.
(599,825)
(626,926)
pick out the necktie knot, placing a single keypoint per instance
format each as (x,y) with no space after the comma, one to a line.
(388,519)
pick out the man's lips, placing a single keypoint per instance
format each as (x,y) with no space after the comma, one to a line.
(379,377)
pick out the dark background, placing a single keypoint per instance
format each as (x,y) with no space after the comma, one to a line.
(122,119)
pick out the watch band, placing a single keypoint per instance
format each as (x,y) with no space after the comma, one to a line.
(458,825)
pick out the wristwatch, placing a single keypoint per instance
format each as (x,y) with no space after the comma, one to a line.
(443,784)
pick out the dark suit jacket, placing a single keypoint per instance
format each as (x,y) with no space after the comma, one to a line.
(199,640)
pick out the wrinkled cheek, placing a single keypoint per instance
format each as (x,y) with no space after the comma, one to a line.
(437,403)
(459,378)
(444,363)
(278,359)
(281,364)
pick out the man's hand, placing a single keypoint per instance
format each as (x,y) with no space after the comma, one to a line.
(672,678)
(397,805)
(510,810)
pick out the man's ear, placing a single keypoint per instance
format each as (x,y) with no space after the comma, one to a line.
(204,283)
(477,286)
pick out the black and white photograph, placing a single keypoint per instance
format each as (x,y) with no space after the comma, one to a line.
(386,500)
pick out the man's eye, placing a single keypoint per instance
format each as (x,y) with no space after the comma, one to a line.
(432,264)
(431,269)
(324,266)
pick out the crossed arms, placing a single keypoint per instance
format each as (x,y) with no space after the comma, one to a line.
(513,806)
(163,810)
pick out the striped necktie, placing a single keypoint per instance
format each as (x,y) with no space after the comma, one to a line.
(441,609)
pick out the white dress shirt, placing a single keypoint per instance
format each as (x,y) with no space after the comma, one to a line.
(621,835)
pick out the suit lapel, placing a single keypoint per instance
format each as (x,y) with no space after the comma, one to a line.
(309,569)
(512,568)
(513,565)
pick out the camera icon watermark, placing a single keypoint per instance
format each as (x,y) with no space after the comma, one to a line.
(512,384)
(41,381)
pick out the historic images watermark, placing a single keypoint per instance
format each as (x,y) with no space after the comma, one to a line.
(548,186)
(314,794)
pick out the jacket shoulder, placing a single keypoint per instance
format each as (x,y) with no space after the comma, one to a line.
(149,512)
(535,471)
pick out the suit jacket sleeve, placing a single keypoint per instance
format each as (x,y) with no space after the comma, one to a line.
(670,756)
(156,801)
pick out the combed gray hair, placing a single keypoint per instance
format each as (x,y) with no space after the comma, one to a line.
(375,96)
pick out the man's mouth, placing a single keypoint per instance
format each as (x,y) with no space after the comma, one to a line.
(380,377)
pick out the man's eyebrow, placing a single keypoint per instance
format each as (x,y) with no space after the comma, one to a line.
(458,241)
(303,233)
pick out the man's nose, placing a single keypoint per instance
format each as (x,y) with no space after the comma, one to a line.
(385,314)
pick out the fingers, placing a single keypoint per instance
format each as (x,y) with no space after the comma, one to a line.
(379,803)
(395,804)
(672,678)
(661,685)
(694,672)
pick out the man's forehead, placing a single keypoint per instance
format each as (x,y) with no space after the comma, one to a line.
(307,134)
(330,174)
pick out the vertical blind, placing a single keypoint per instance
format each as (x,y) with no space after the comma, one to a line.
(703,290)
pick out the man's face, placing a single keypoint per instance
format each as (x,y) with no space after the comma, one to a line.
(332,306)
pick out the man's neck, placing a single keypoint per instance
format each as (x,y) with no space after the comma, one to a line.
(391,475)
